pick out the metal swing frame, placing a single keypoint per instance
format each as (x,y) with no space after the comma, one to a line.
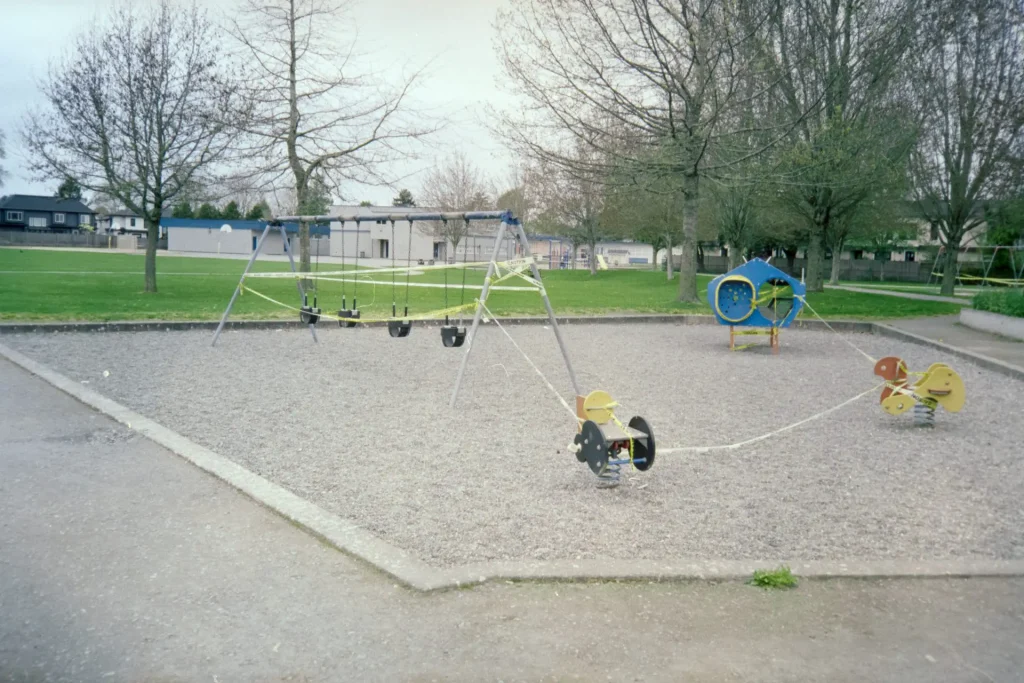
(510,227)
(272,224)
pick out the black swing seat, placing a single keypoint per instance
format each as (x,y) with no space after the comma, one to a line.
(309,315)
(452,336)
(346,315)
(399,328)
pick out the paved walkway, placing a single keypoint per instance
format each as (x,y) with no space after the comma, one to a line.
(121,562)
(903,295)
(947,329)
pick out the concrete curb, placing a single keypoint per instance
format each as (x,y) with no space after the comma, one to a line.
(993,323)
(986,362)
(412,572)
(184,325)
(341,533)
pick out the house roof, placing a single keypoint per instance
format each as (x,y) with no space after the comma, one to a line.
(29,202)
(131,214)
(215,224)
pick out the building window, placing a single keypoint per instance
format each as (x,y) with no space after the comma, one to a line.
(84,219)
(858,254)
(908,256)
(132,223)
(37,221)
(58,218)
(15,216)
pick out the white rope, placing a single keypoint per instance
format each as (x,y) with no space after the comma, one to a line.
(516,264)
(747,442)
(433,285)
(532,365)
(852,345)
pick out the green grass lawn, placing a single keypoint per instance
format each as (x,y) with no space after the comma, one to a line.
(70,285)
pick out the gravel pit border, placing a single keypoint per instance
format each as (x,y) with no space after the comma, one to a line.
(411,571)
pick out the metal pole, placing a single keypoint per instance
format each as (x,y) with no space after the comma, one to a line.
(238,289)
(298,282)
(478,313)
(547,305)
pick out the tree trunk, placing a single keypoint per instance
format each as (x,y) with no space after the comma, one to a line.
(949,266)
(688,263)
(837,263)
(592,249)
(152,234)
(815,260)
(734,256)
(790,260)
(668,259)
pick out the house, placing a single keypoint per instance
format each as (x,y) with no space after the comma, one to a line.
(124,222)
(207,236)
(44,214)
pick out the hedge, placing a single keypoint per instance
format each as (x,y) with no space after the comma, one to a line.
(1003,301)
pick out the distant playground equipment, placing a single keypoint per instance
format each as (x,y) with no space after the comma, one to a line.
(939,385)
(602,439)
(988,255)
(756,295)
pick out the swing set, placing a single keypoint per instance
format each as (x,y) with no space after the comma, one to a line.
(602,441)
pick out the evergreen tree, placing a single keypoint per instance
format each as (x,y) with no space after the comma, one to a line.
(231,211)
(259,212)
(404,198)
(183,210)
(208,211)
(69,189)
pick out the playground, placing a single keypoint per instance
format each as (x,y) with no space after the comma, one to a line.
(359,424)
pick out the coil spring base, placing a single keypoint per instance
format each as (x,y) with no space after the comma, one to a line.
(924,415)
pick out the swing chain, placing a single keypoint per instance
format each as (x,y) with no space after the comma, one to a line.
(408,266)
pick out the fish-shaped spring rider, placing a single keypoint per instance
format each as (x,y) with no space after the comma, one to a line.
(939,385)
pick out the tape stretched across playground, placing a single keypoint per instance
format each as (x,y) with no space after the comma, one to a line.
(756,296)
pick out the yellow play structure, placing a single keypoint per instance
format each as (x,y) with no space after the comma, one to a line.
(939,385)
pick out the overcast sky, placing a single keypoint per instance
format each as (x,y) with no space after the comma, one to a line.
(454,36)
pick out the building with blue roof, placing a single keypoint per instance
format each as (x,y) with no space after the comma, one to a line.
(227,236)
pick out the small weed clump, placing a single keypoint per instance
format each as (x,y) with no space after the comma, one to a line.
(773,578)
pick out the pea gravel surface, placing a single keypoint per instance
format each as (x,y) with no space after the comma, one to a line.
(360,425)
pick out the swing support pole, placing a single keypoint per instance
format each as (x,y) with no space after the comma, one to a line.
(509,224)
(479,311)
(252,259)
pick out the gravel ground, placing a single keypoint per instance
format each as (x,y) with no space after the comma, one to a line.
(360,424)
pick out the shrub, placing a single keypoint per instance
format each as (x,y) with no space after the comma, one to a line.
(1003,301)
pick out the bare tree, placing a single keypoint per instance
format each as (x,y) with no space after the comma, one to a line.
(648,83)
(137,111)
(835,65)
(455,184)
(318,113)
(571,201)
(971,90)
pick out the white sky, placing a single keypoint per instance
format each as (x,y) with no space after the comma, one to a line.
(455,36)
